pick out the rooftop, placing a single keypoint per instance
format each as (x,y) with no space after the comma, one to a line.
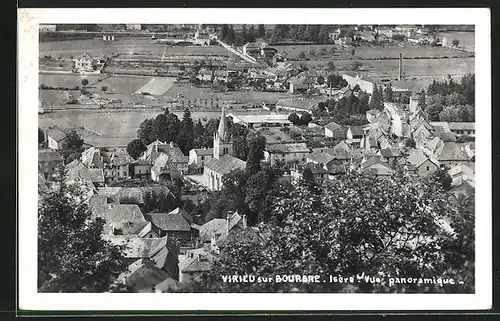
(225,164)
(169,221)
(48,155)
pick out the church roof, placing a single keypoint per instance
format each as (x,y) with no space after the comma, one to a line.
(222,131)
(225,164)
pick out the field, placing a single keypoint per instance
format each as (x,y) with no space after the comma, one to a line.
(293,51)
(65,81)
(157,86)
(466,39)
(111,128)
(96,47)
(123,84)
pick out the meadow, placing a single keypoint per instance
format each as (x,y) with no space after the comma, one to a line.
(66,80)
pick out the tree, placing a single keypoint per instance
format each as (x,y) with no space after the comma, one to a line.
(294,118)
(443,178)
(376,100)
(145,132)
(243,35)
(186,134)
(252,34)
(356,65)
(302,55)
(85,82)
(323,51)
(320,80)
(388,93)
(364,103)
(261,31)
(455,42)
(386,227)
(72,256)
(353,52)
(312,52)
(41,136)
(73,143)
(331,65)
(305,118)
(135,148)
(104,88)
(256,147)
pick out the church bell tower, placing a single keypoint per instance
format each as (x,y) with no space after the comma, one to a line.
(223,142)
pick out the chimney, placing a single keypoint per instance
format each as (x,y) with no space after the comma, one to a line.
(244,219)
(171,144)
(227,224)
(400,66)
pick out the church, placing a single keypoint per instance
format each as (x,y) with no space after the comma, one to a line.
(223,161)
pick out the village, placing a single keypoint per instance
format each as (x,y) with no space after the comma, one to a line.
(321,123)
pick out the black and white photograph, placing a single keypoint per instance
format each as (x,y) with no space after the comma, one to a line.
(229,156)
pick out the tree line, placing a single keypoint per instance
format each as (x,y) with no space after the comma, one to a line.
(318,34)
(245,34)
(450,100)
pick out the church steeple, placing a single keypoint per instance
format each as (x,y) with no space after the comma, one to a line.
(222,140)
(222,131)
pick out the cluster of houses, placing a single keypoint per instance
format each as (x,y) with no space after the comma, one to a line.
(86,64)
(412,33)
(166,249)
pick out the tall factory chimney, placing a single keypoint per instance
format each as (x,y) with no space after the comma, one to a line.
(400,66)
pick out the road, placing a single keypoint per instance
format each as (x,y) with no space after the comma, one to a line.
(396,122)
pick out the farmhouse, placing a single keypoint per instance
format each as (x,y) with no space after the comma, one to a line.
(364,83)
(171,149)
(335,130)
(375,166)
(199,156)
(386,32)
(84,63)
(171,225)
(420,163)
(55,138)
(288,152)
(302,82)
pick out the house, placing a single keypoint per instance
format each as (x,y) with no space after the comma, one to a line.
(267,51)
(170,224)
(194,263)
(297,104)
(49,161)
(205,75)
(84,62)
(366,36)
(335,35)
(460,173)
(420,163)
(391,155)
(423,31)
(199,156)
(463,128)
(464,189)
(140,168)
(261,120)
(335,130)
(120,219)
(222,161)
(386,32)
(252,49)
(55,138)
(451,153)
(143,276)
(133,26)
(47,28)
(221,75)
(353,78)
(114,163)
(136,195)
(164,169)
(169,285)
(201,38)
(375,166)
(302,82)
(287,152)
(80,172)
(354,133)
(174,153)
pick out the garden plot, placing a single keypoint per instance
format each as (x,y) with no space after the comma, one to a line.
(157,86)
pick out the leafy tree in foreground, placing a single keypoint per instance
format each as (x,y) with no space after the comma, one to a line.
(41,136)
(376,100)
(351,226)
(72,144)
(72,256)
(135,148)
(256,147)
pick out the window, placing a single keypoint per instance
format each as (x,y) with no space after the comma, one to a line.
(140,171)
(202,157)
(428,167)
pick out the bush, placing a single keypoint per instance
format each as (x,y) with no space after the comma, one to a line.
(145,93)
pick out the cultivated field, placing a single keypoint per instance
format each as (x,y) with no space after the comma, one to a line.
(157,86)
(466,39)
(66,81)
(123,84)
(372,52)
(96,47)
(116,128)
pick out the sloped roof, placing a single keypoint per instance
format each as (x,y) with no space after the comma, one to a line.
(120,157)
(387,152)
(239,235)
(447,137)
(417,158)
(48,155)
(440,126)
(166,285)
(341,146)
(56,134)
(80,171)
(108,191)
(126,217)
(146,276)
(225,164)
(169,222)
(92,157)
(333,126)
(136,194)
(137,247)
(212,227)
(356,130)
(204,151)
(462,126)
(434,143)
(145,230)
(451,151)
(321,157)
(198,266)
